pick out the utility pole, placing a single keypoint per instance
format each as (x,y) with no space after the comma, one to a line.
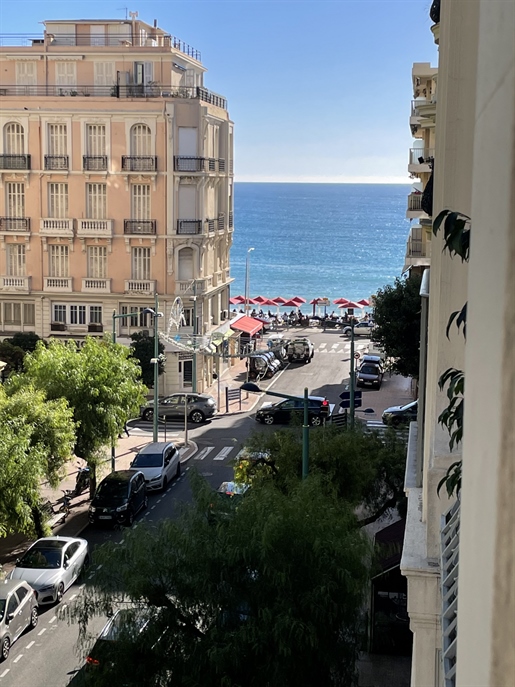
(352,381)
(195,334)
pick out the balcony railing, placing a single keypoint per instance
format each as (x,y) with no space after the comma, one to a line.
(96,285)
(95,227)
(116,91)
(15,224)
(57,284)
(50,226)
(221,222)
(139,163)
(21,284)
(94,163)
(420,157)
(415,201)
(14,161)
(140,286)
(139,226)
(56,162)
(187,163)
(231,220)
(189,226)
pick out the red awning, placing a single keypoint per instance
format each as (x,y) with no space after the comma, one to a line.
(248,325)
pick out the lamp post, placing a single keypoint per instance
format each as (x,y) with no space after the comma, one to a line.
(155,361)
(249,386)
(247,280)
(352,376)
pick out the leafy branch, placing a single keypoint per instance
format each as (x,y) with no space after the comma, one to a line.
(456,232)
(452,480)
(461,320)
(452,416)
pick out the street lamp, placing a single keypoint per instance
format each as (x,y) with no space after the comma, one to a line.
(155,362)
(249,386)
(247,280)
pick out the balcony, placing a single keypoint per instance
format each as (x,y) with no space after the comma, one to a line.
(14,161)
(95,227)
(57,284)
(56,162)
(143,286)
(94,163)
(97,327)
(189,226)
(414,206)
(220,222)
(418,248)
(56,227)
(419,160)
(15,284)
(189,164)
(96,285)
(16,225)
(139,163)
(185,288)
(139,226)
(231,220)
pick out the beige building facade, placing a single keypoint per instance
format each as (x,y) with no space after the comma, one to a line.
(116,172)
(459,553)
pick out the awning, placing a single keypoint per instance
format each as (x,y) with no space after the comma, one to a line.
(248,325)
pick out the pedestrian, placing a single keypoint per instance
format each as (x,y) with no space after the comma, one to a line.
(125,429)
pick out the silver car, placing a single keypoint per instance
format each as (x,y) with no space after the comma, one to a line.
(18,610)
(159,462)
(200,407)
(51,565)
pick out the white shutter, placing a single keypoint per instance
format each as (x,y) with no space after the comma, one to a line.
(97,262)
(141,264)
(187,202)
(15,197)
(16,260)
(117,34)
(65,74)
(188,141)
(14,139)
(95,139)
(189,78)
(58,201)
(186,264)
(58,260)
(26,76)
(104,77)
(96,201)
(57,139)
(141,140)
(97,34)
(140,201)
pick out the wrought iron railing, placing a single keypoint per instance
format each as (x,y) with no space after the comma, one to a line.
(14,161)
(139,226)
(139,163)
(188,163)
(189,226)
(14,223)
(94,163)
(450,548)
(56,162)
(231,220)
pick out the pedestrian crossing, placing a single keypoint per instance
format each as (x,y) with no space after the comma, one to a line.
(221,455)
(340,347)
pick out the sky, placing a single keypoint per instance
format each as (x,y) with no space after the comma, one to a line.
(319,90)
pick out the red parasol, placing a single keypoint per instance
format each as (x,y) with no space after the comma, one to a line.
(340,301)
(351,305)
(290,304)
(298,299)
(260,299)
(279,300)
(269,301)
(364,303)
(237,300)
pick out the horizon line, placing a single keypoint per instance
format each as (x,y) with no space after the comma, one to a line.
(357,180)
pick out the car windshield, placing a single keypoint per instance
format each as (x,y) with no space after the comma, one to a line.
(369,369)
(409,406)
(148,460)
(112,489)
(41,558)
(2,609)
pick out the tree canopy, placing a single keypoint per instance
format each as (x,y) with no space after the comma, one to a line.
(397,324)
(272,595)
(142,348)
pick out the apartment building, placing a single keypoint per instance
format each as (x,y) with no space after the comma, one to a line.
(116,167)
(459,552)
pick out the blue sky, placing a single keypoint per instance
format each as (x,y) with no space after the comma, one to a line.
(319,91)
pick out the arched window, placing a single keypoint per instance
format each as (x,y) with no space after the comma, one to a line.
(141,143)
(186,271)
(14,139)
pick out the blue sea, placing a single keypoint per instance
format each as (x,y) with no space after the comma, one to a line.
(316,240)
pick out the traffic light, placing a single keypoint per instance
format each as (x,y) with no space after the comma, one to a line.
(324,409)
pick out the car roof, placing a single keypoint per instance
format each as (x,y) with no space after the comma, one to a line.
(7,586)
(156,447)
(301,398)
(120,476)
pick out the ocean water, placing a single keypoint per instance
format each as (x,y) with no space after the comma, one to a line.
(315,240)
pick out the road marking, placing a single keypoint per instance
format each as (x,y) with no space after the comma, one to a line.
(224,453)
(205,452)
(52,620)
(41,632)
(5,672)
(152,508)
(322,345)
(18,658)
(30,644)
(65,605)
(159,500)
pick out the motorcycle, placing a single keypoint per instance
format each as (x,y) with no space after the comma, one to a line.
(82,480)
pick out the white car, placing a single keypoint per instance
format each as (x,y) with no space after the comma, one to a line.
(51,565)
(160,462)
(360,329)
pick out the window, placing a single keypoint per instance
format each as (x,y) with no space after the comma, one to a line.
(77,314)
(140,201)
(16,260)
(65,74)
(141,263)
(57,139)
(140,318)
(15,199)
(141,140)
(97,262)
(186,272)
(105,77)
(187,373)
(29,314)
(59,313)
(188,317)
(21,593)
(12,605)
(96,201)
(58,261)
(95,139)
(26,77)
(95,314)
(58,200)
(12,313)
(14,139)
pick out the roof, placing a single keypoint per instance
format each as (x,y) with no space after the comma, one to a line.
(248,325)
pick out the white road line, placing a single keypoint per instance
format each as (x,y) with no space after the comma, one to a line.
(30,644)
(65,605)
(72,597)
(5,672)
(18,658)
(322,345)
(99,566)
(159,500)
(41,632)
(205,452)
(52,620)
(152,508)
(224,453)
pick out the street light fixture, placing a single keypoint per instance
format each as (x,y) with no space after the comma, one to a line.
(155,362)
(250,386)
(247,280)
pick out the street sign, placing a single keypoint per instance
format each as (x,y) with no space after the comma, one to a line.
(345,402)
(357,355)
(345,396)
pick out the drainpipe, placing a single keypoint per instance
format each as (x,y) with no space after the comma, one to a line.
(422,374)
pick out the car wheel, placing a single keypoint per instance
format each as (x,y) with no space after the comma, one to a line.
(178,471)
(34,618)
(268,419)
(130,518)
(197,416)
(6,645)
(165,483)
(148,414)
(315,421)
(60,593)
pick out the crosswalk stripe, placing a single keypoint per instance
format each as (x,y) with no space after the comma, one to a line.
(224,453)
(205,451)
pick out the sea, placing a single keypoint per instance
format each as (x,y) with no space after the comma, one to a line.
(318,240)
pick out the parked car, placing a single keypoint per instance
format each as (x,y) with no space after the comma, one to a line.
(300,350)
(400,415)
(119,497)
(18,610)
(225,500)
(51,565)
(373,360)
(360,329)
(282,412)
(159,462)
(369,375)
(200,407)
(263,364)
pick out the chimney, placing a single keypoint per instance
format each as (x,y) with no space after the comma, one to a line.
(155,23)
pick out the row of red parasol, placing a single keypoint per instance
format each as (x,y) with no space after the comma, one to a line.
(294,302)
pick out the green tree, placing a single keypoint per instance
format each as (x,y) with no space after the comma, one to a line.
(12,355)
(37,439)
(142,348)
(27,341)
(397,320)
(100,381)
(270,596)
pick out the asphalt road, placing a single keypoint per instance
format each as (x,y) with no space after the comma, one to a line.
(49,656)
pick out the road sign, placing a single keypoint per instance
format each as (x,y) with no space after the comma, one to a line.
(345,396)
(345,402)
(357,355)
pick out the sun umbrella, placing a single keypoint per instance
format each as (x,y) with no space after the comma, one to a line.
(340,301)
(268,301)
(237,300)
(364,303)
(260,299)
(351,305)
(291,304)
(299,299)
(279,300)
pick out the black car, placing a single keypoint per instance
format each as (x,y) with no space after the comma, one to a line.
(282,413)
(119,497)
(400,415)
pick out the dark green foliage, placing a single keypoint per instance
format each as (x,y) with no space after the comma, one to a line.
(397,330)
(142,348)
(452,416)
(461,320)
(27,341)
(456,230)
(452,479)
(12,355)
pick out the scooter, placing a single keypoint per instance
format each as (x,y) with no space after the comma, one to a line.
(82,480)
